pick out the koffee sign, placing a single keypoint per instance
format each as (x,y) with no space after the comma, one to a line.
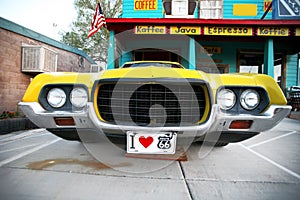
(272,31)
(150,30)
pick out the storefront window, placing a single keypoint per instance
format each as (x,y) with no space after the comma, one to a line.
(180,7)
(250,62)
(211,9)
(253,62)
(156,55)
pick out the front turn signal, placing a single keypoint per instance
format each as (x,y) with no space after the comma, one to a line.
(241,124)
(64,121)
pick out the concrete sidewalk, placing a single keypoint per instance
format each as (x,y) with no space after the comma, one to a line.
(295,115)
(37,165)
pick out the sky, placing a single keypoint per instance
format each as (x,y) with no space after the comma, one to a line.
(48,17)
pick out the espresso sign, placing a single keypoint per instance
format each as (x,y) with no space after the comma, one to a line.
(229,31)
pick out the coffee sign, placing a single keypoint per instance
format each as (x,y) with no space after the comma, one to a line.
(145,4)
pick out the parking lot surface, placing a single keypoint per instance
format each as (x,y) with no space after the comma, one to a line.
(35,164)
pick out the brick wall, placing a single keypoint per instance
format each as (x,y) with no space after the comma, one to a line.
(13,82)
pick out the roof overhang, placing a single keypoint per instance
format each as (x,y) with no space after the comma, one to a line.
(122,24)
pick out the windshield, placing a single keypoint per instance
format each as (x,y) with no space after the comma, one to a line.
(152,64)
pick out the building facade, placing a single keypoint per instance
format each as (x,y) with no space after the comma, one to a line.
(24,54)
(226,36)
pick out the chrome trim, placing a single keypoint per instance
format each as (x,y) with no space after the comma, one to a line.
(217,121)
(263,122)
(188,130)
(127,104)
(45,119)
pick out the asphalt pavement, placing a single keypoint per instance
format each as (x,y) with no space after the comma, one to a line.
(37,165)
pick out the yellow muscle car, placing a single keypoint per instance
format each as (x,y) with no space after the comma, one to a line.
(154,96)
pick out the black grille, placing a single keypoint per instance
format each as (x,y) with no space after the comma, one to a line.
(151,104)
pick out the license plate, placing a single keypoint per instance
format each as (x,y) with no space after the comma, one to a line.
(155,143)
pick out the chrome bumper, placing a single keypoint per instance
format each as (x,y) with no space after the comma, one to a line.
(263,122)
(218,121)
(45,119)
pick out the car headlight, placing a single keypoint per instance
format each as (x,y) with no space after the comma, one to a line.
(79,97)
(249,99)
(56,97)
(226,99)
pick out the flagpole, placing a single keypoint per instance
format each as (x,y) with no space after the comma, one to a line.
(104,24)
(98,20)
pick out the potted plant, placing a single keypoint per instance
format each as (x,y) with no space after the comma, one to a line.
(14,121)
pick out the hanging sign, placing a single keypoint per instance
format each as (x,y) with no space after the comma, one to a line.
(145,4)
(212,50)
(297,32)
(229,31)
(185,30)
(267,3)
(272,31)
(150,30)
(286,9)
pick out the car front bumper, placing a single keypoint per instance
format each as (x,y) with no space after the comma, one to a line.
(218,121)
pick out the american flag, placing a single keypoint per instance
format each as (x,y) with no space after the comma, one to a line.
(98,21)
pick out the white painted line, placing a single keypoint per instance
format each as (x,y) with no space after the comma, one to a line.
(23,136)
(14,136)
(272,162)
(18,148)
(272,139)
(25,153)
